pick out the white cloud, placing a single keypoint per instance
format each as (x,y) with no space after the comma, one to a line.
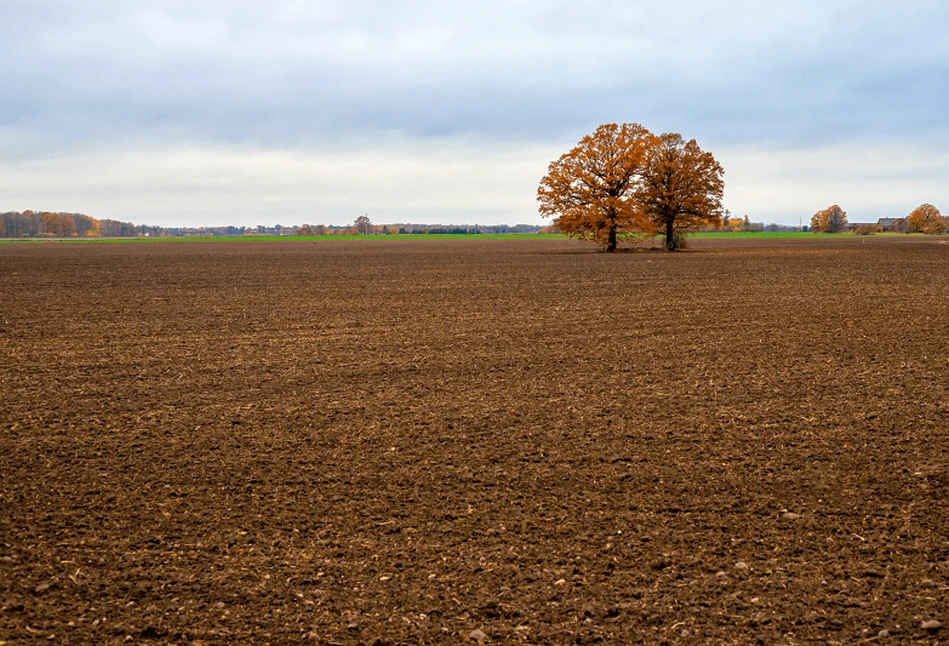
(445,181)
(252,103)
(868,180)
(448,180)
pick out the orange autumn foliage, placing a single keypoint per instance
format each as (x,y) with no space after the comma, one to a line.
(624,182)
(926,218)
(681,189)
(589,189)
(833,219)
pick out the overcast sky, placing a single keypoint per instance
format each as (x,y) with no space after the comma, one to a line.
(191,113)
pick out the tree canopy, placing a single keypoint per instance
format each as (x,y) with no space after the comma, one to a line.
(927,219)
(589,189)
(363,224)
(833,219)
(54,224)
(681,188)
(623,181)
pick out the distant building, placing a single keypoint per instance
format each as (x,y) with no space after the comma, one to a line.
(893,225)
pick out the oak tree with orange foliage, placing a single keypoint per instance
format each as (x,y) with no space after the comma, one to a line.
(926,218)
(681,189)
(833,219)
(589,190)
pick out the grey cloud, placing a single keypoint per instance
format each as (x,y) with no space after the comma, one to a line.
(173,109)
(295,71)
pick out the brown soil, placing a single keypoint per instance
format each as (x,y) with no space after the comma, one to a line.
(408,441)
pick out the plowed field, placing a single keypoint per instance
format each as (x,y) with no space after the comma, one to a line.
(447,441)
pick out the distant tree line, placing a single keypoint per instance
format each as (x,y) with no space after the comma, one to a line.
(925,218)
(475,229)
(454,231)
(362,226)
(50,224)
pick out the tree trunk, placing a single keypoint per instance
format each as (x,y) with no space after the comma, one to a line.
(670,236)
(611,241)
